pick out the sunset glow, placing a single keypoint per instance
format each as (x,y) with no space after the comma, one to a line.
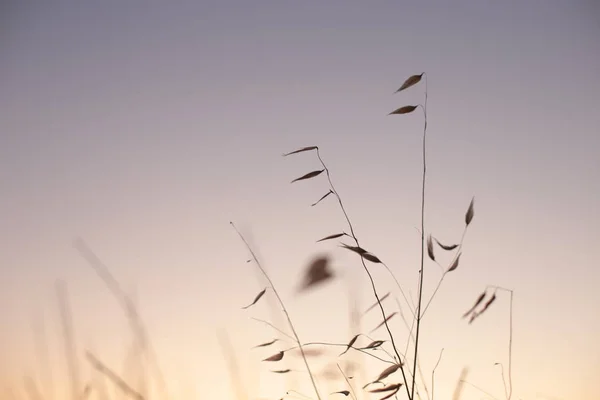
(135,132)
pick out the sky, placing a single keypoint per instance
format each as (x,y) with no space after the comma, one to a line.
(144,128)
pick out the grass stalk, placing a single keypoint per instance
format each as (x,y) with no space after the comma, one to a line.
(287,315)
(421,270)
(508,390)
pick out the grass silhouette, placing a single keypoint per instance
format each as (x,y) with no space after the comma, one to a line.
(400,375)
(402,363)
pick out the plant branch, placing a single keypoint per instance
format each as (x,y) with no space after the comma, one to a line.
(312,379)
(374,288)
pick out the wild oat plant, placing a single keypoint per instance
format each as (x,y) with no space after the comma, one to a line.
(401,375)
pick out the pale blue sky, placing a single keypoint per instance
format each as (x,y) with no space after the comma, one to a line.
(145,127)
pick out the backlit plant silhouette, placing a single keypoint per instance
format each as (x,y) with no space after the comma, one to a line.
(317,272)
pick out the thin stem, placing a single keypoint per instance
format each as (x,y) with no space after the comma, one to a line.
(510,338)
(412,391)
(400,288)
(348,382)
(374,288)
(422,376)
(433,375)
(274,327)
(312,379)
(503,379)
(411,336)
(297,394)
(275,315)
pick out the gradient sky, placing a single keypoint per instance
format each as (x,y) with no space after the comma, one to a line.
(145,127)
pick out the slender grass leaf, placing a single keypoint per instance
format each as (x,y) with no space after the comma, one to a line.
(275,357)
(477,303)
(356,249)
(473,316)
(309,175)
(485,307)
(381,299)
(390,395)
(266,344)
(454,264)
(403,110)
(384,321)
(373,345)
(392,386)
(349,345)
(372,383)
(388,371)
(430,248)
(411,81)
(309,148)
(334,236)
(318,201)
(372,258)
(470,212)
(364,253)
(489,302)
(445,246)
(344,392)
(257,298)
